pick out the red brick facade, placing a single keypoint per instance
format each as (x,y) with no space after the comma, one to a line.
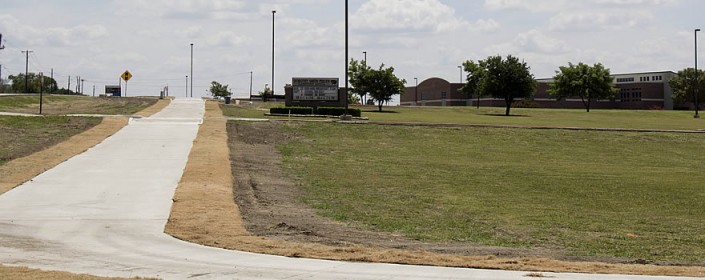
(639,91)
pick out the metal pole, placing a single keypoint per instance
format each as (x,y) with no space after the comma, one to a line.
(695,87)
(251,73)
(41,92)
(265,92)
(416,94)
(191,70)
(365,52)
(186,85)
(347,100)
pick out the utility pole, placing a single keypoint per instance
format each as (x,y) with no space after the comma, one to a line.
(53,84)
(251,85)
(82,88)
(186,85)
(26,71)
(41,92)
(94,90)
(265,92)
(68,87)
(191,71)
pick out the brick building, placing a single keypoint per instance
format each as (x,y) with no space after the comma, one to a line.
(636,91)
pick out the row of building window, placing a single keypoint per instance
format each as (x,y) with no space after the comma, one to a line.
(641,79)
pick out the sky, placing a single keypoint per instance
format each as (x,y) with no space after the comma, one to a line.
(98,40)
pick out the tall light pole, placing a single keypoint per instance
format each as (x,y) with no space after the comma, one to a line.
(251,73)
(416,94)
(265,92)
(186,85)
(347,86)
(695,87)
(365,53)
(191,70)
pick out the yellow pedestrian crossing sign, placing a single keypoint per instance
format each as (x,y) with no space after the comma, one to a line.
(126,76)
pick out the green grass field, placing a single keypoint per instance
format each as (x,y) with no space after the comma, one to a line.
(22,136)
(604,194)
(631,119)
(62,104)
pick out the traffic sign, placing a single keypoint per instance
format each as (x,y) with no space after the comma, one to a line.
(126,76)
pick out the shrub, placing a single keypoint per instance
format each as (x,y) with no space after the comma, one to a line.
(337,111)
(291,110)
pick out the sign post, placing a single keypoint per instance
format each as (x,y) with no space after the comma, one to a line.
(126,76)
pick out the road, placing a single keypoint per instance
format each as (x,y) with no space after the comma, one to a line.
(103,213)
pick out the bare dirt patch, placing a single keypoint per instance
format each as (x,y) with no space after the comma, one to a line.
(22,273)
(204,212)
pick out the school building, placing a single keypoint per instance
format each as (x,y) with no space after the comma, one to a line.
(638,91)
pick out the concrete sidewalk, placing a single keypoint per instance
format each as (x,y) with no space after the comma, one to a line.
(103,213)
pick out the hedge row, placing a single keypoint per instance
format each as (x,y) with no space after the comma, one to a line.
(327,111)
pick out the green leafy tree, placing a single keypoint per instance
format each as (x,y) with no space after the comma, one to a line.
(35,83)
(358,72)
(684,89)
(507,79)
(381,84)
(590,83)
(219,90)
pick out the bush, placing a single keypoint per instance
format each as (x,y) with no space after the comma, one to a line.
(337,111)
(291,110)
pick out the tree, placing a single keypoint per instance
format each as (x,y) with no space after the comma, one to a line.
(219,90)
(506,79)
(381,84)
(357,73)
(683,86)
(588,82)
(47,84)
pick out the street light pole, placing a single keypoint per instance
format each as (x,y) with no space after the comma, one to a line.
(416,94)
(346,61)
(695,87)
(365,52)
(191,70)
(186,85)
(273,53)
(251,85)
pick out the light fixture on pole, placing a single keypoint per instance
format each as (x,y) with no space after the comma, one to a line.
(461,73)
(365,53)
(191,70)
(696,85)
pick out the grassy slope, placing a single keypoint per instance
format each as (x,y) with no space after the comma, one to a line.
(23,136)
(56,105)
(634,195)
(677,120)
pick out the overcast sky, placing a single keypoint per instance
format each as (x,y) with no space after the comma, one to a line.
(98,40)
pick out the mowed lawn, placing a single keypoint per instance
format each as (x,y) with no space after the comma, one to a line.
(630,119)
(583,193)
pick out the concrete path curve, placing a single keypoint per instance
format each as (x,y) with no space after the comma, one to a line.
(103,213)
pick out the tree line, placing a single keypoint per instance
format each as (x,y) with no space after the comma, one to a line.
(34,82)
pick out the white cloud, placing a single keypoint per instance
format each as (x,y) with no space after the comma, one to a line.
(489,25)
(590,21)
(55,36)
(412,15)
(563,5)
(536,41)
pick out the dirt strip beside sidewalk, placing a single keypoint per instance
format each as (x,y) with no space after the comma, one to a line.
(204,212)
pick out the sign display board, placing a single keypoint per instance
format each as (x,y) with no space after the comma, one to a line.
(315,89)
(113,91)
